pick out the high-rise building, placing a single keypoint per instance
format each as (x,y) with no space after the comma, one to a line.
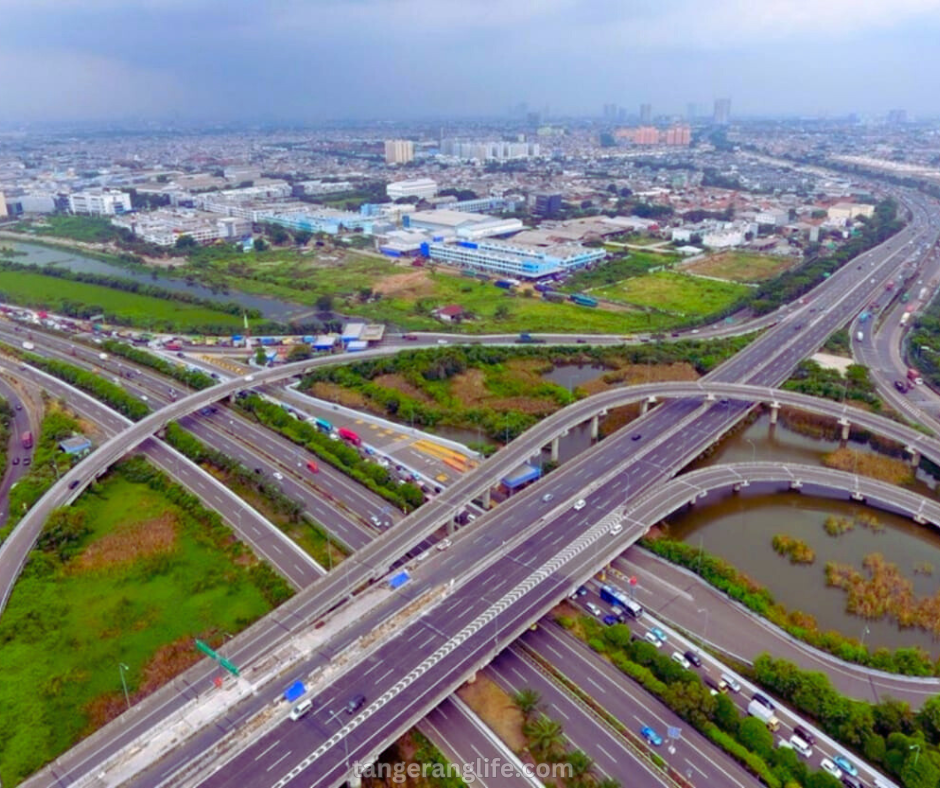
(399,151)
(646,114)
(691,111)
(646,135)
(897,116)
(722,111)
(680,134)
(3,206)
(547,204)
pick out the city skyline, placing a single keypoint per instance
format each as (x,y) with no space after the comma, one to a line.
(411,59)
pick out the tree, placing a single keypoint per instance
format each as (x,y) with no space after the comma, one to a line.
(582,765)
(929,718)
(501,312)
(919,770)
(545,735)
(325,303)
(299,352)
(260,245)
(186,242)
(609,782)
(261,357)
(527,700)
(278,235)
(753,734)
(365,293)
(302,237)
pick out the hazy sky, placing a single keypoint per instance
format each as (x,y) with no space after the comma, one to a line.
(320,59)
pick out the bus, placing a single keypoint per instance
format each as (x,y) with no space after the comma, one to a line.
(614,596)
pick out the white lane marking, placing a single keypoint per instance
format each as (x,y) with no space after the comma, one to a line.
(259,757)
(279,760)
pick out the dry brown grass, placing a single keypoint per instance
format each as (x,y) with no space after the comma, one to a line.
(874,466)
(884,592)
(331,392)
(411,285)
(634,374)
(398,382)
(128,544)
(495,707)
(470,389)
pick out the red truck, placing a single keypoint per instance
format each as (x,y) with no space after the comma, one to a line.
(350,436)
(27,440)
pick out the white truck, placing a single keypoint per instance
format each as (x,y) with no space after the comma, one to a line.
(757,709)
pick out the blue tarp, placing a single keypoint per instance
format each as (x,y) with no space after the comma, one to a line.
(397,581)
(294,691)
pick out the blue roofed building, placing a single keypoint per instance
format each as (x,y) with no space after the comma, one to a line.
(512,259)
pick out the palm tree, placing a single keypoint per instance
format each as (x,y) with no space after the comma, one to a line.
(545,736)
(581,768)
(526,700)
(608,782)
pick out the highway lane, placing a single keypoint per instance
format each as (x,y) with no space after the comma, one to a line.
(243,439)
(612,756)
(267,542)
(729,416)
(628,702)
(19,424)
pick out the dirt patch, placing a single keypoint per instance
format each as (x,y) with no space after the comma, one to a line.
(332,392)
(398,382)
(874,466)
(169,661)
(410,285)
(494,706)
(129,543)
(470,388)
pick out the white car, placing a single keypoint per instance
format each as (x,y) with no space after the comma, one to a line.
(579,504)
(651,638)
(679,659)
(444,544)
(828,766)
(278,475)
(595,610)
(616,528)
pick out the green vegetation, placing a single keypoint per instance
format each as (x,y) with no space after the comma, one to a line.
(87,229)
(793,284)
(922,342)
(265,495)
(193,378)
(130,573)
(497,390)
(679,294)
(36,289)
(100,388)
(49,463)
(744,738)
(741,266)
(738,586)
(811,378)
(336,452)
(616,270)
(888,734)
(839,344)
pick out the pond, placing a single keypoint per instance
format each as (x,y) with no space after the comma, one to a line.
(740,528)
(270,308)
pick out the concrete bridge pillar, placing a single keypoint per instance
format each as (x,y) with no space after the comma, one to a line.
(774,412)
(595,425)
(644,408)
(452,525)
(354,780)
(919,519)
(857,496)
(231,398)
(846,426)
(741,485)
(915,455)
(485,499)
(555,442)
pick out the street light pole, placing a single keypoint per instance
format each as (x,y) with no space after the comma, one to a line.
(753,450)
(121,668)
(916,754)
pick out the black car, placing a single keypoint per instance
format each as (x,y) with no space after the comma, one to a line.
(901,386)
(73,484)
(26,461)
(636,436)
(805,735)
(16,460)
(693,658)
(355,703)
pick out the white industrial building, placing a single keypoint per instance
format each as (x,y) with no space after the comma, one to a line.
(164,226)
(419,187)
(100,202)
(470,226)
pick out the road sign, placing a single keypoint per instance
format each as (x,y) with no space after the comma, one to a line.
(205,648)
(231,668)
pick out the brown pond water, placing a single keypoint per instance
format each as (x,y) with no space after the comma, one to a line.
(740,527)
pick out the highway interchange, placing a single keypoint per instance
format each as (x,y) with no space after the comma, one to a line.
(682,429)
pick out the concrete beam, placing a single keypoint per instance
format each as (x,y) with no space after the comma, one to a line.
(555,442)
(774,412)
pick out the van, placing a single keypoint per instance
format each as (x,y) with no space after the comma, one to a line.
(763,700)
(730,682)
(301,709)
(801,746)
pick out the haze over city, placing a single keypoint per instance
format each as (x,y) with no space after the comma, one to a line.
(309,60)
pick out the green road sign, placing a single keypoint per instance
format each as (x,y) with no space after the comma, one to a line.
(205,648)
(228,666)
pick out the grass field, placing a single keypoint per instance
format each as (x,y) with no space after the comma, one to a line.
(136,590)
(679,294)
(47,292)
(742,266)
